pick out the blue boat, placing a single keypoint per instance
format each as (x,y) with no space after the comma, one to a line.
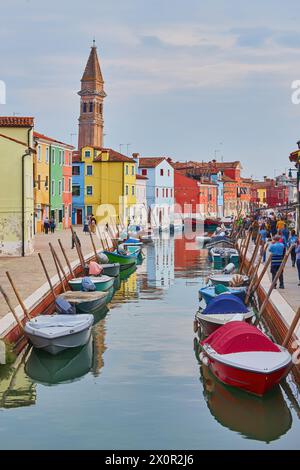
(209,293)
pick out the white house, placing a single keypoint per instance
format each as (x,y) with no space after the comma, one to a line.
(141,211)
(160,189)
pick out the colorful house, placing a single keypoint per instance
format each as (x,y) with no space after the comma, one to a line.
(141,212)
(109,184)
(67,187)
(16,186)
(78,212)
(160,189)
(41,174)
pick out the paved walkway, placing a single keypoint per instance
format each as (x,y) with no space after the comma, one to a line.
(28,273)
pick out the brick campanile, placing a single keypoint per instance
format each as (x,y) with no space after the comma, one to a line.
(92,95)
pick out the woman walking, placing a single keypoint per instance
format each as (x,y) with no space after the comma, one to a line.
(86,226)
(293,242)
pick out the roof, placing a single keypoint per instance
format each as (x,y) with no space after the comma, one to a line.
(92,70)
(207,165)
(15,121)
(37,135)
(150,162)
(141,177)
(113,156)
(226,179)
(16,141)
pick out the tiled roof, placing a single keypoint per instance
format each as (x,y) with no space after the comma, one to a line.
(113,156)
(15,121)
(16,141)
(226,179)
(37,135)
(141,177)
(92,70)
(206,165)
(150,162)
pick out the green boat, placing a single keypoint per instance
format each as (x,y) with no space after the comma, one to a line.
(102,283)
(86,302)
(125,261)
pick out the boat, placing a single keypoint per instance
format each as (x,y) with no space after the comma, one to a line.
(68,366)
(262,419)
(227,279)
(111,269)
(221,310)
(241,356)
(85,302)
(223,255)
(208,293)
(132,242)
(55,333)
(210,225)
(102,283)
(220,242)
(126,273)
(125,261)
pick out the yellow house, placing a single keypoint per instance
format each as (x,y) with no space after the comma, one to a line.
(41,171)
(16,186)
(109,184)
(262,196)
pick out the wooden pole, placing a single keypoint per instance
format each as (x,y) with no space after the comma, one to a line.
(280,270)
(253,279)
(47,275)
(93,243)
(57,269)
(292,328)
(243,256)
(254,254)
(78,249)
(66,258)
(114,241)
(58,262)
(6,298)
(27,314)
(259,279)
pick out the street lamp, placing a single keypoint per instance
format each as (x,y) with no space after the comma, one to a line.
(297,165)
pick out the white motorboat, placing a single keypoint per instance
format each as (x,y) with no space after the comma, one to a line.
(55,333)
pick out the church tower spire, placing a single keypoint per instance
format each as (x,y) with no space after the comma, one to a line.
(92,95)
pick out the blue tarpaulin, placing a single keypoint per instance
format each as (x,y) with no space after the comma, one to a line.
(225,303)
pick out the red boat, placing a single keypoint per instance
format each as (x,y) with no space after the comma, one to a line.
(242,356)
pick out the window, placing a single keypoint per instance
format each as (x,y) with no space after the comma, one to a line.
(89,170)
(66,161)
(47,155)
(161,172)
(39,182)
(156,192)
(168,172)
(132,170)
(163,192)
(53,156)
(144,172)
(60,158)
(89,210)
(87,153)
(126,170)
(53,188)
(76,190)
(70,210)
(132,190)
(84,108)
(63,185)
(91,107)
(39,154)
(167,192)
(46,182)
(70,185)
(76,170)
(60,188)
(126,190)
(60,216)
(89,190)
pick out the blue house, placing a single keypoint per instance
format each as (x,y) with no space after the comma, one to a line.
(217,178)
(78,212)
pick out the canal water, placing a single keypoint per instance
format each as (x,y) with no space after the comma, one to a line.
(138,384)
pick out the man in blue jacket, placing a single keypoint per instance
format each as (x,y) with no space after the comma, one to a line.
(277,250)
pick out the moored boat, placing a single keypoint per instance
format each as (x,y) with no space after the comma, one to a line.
(209,293)
(240,355)
(125,260)
(102,283)
(227,279)
(85,302)
(55,333)
(224,255)
(221,310)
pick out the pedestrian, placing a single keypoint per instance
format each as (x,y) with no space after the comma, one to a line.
(93,224)
(285,233)
(273,225)
(75,237)
(280,224)
(263,233)
(86,226)
(255,229)
(297,250)
(46,225)
(293,242)
(277,250)
(52,225)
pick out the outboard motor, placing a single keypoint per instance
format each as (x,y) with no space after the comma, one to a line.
(64,307)
(87,285)
(229,269)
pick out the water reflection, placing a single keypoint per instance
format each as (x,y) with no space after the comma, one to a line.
(16,388)
(160,263)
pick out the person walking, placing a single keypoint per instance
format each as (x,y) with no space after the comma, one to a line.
(86,226)
(52,225)
(293,242)
(277,250)
(263,233)
(297,251)
(46,225)
(93,224)
(285,233)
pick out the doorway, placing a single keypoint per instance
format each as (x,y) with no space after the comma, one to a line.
(79,216)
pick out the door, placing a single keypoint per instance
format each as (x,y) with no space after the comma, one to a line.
(79,217)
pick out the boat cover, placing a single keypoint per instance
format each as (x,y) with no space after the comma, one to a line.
(236,336)
(132,240)
(220,289)
(225,303)
(64,307)
(95,269)
(87,285)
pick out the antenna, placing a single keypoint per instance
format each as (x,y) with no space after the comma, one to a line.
(128,145)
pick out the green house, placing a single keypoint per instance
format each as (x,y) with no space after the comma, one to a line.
(56,186)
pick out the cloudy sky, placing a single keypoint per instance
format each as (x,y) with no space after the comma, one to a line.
(191,79)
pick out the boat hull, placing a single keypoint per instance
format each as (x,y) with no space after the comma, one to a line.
(56,345)
(207,326)
(100,286)
(124,261)
(112,270)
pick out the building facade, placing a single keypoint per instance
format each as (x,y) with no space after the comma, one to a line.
(16,186)
(78,207)
(41,180)
(141,212)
